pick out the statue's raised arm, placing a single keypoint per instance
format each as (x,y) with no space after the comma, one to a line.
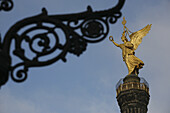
(111,39)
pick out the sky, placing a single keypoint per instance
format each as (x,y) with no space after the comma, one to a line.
(86,84)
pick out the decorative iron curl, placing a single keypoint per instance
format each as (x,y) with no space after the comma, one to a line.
(20,75)
(92,30)
(43,40)
(40,30)
(6,5)
(114,17)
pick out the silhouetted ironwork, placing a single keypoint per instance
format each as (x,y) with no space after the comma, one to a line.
(41,35)
(6,5)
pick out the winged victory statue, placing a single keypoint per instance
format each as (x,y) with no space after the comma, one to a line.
(128,47)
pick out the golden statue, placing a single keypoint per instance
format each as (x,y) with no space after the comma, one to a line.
(128,47)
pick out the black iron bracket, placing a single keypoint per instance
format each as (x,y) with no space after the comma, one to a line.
(40,34)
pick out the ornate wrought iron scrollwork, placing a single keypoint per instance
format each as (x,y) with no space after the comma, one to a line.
(40,35)
(6,5)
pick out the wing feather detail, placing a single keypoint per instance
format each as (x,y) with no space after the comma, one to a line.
(136,37)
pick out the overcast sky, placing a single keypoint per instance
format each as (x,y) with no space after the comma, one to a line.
(86,84)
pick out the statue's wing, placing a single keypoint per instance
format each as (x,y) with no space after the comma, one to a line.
(136,37)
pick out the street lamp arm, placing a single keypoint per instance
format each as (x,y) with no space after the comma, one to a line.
(49,38)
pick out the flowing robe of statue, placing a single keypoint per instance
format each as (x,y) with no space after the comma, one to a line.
(128,48)
(132,62)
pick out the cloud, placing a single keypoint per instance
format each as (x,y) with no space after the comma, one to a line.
(42,101)
(14,104)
